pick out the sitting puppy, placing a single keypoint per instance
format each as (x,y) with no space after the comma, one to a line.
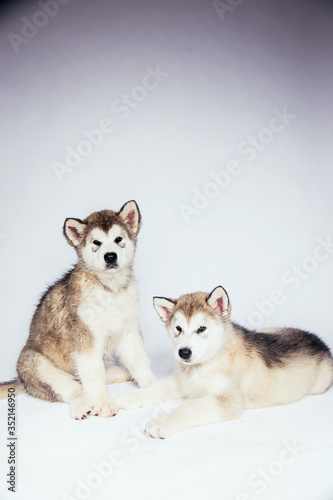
(86,317)
(225,368)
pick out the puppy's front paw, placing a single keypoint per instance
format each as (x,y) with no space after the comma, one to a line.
(129,400)
(80,408)
(145,380)
(105,407)
(161,427)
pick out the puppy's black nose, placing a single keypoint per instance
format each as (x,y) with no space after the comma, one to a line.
(185,353)
(110,257)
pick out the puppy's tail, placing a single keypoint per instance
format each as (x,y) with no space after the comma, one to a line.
(9,388)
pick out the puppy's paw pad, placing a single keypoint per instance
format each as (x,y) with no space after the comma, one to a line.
(80,408)
(105,408)
(160,428)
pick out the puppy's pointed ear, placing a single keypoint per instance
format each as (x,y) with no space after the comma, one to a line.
(130,214)
(219,301)
(164,307)
(74,230)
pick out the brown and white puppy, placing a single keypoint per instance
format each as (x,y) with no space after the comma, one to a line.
(225,368)
(85,318)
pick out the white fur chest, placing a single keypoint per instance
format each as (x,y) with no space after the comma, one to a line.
(108,314)
(204,379)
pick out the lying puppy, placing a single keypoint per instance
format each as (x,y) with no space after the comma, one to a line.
(225,368)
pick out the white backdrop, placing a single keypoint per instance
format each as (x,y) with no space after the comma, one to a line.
(216,118)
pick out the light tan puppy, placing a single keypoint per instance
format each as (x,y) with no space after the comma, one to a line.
(86,317)
(225,368)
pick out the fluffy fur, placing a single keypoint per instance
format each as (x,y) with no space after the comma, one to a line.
(86,317)
(225,368)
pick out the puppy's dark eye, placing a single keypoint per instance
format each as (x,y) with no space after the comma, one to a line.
(201,329)
(97,243)
(178,328)
(118,239)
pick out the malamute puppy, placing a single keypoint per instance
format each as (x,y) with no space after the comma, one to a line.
(86,317)
(225,368)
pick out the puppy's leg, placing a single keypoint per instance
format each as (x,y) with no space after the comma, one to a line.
(43,380)
(324,376)
(161,390)
(69,389)
(117,374)
(91,370)
(133,355)
(195,412)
